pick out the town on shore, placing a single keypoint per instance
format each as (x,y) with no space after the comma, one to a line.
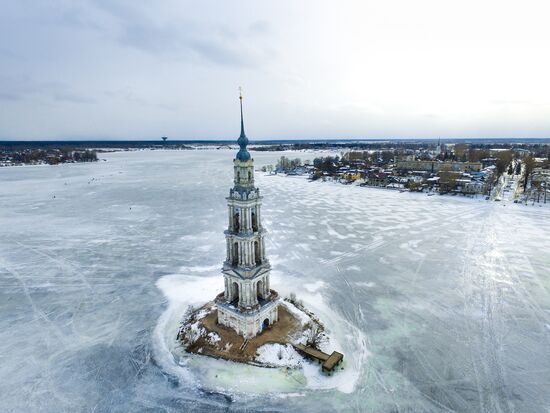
(19,153)
(496,171)
(51,156)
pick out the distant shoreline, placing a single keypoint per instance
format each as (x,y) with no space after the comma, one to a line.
(121,143)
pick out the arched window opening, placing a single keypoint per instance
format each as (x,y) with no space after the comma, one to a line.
(236,221)
(235,260)
(235,292)
(257,253)
(249,176)
(254,222)
(260,290)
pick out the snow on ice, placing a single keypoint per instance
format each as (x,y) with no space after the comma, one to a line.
(94,283)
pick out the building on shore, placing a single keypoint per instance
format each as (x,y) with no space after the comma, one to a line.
(248,304)
(434,166)
(540,176)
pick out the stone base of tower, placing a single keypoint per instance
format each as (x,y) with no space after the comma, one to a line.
(248,323)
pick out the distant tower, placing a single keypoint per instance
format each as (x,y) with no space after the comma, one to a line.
(438,148)
(247,305)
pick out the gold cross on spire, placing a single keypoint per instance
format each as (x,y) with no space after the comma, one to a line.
(240,93)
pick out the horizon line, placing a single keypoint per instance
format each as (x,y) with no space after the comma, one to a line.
(266,140)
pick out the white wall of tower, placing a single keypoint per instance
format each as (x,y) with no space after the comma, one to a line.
(248,326)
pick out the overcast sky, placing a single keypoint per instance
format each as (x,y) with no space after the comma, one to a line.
(131,69)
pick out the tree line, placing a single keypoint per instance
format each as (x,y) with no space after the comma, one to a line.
(48,156)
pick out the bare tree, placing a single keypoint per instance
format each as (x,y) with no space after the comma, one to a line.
(447,178)
(529,163)
(292,297)
(314,335)
(504,159)
(190,314)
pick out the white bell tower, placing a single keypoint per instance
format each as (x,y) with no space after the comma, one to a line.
(248,305)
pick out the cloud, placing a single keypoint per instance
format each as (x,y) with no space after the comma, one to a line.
(350,70)
(260,27)
(216,51)
(186,43)
(14,88)
(72,97)
(7,54)
(9,96)
(183,38)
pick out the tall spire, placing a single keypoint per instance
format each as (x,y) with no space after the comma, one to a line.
(242,121)
(243,154)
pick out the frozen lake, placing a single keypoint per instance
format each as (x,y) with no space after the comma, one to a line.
(441,304)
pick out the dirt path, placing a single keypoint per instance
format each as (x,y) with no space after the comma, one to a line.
(229,345)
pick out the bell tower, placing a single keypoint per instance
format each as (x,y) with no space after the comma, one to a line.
(248,305)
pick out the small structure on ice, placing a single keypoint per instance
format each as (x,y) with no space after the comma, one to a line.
(329,362)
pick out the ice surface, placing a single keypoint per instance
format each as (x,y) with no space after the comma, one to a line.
(448,296)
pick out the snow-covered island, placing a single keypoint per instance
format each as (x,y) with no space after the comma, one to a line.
(274,347)
(248,322)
